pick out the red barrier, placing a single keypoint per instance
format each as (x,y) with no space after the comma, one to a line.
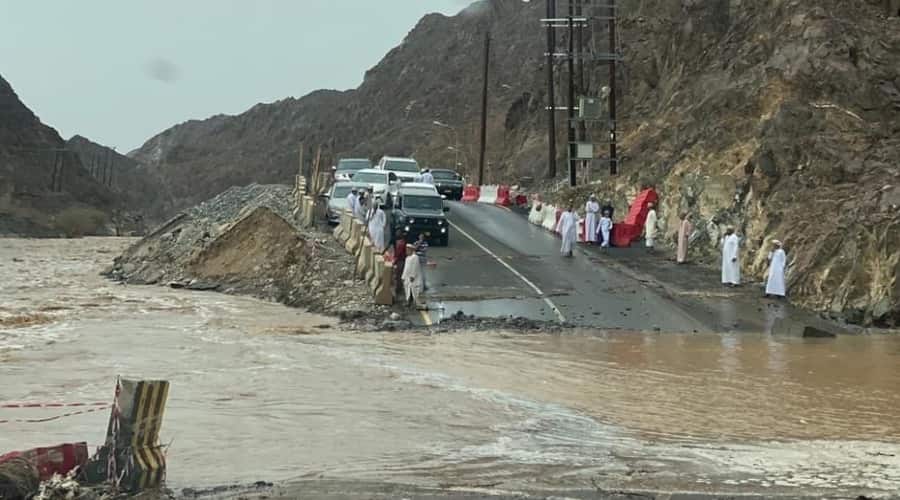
(637,213)
(623,234)
(503,198)
(471,193)
(521,200)
(60,459)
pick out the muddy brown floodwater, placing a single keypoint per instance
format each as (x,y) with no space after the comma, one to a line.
(263,392)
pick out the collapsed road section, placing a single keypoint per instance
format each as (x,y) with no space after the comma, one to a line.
(246,241)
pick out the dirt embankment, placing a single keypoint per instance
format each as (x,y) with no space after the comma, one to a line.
(244,241)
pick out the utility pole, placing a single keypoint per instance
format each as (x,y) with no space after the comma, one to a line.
(613,127)
(582,83)
(573,148)
(551,93)
(484,101)
(108,169)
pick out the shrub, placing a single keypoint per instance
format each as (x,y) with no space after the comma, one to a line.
(77,222)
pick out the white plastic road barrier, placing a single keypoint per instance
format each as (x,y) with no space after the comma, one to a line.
(535,216)
(488,194)
(549,218)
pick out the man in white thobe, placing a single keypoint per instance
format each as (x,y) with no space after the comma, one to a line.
(352,201)
(412,277)
(361,208)
(650,228)
(591,219)
(775,284)
(605,229)
(568,231)
(427,178)
(376,227)
(731,264)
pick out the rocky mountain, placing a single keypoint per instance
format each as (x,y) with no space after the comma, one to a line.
(780,117)
(40,180)
(134,184)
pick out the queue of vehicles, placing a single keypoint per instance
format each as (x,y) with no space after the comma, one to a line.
(411,206)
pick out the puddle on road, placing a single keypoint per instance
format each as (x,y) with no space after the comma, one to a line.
(534,309)
(263,392)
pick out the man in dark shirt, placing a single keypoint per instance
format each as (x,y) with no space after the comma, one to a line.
(399,258)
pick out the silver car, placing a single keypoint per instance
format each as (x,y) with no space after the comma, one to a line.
(337,199)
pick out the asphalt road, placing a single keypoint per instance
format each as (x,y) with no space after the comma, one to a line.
(497,264)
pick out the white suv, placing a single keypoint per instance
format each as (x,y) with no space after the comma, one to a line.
(382,184)
(406,168)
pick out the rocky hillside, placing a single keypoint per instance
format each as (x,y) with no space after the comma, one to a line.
(134,184)
(778,116)
(44,188)
(782,119)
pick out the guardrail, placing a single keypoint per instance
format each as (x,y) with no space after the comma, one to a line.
(370,266)
(494,194)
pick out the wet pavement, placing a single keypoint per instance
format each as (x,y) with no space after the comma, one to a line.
(264,392)
(607,288)
(545,285)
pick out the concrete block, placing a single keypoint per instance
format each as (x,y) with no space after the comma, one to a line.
(363,258)
(353,241)
(371,270)
(384,291)
(309,212)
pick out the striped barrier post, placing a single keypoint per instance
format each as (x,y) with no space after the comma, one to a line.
(132,457)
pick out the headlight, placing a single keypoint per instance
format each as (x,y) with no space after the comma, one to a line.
(406,229)
(412,221)
(443,230)
(440,223)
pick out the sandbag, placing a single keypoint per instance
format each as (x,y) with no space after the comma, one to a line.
(18,479)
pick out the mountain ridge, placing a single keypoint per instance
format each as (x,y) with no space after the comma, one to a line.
(761,115)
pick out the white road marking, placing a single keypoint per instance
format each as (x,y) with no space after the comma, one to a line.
(519,275)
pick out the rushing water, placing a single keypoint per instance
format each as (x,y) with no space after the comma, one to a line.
(263,392)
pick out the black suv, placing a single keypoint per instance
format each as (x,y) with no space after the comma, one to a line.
(448,183)
(420,209)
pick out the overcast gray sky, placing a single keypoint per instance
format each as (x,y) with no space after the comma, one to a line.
(118,72)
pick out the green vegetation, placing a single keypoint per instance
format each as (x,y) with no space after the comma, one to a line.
(78,222)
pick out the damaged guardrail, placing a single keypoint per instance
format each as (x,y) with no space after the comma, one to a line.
(304,204)
(131,459)
(373,268)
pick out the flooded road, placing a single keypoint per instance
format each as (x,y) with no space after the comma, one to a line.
(263,392)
